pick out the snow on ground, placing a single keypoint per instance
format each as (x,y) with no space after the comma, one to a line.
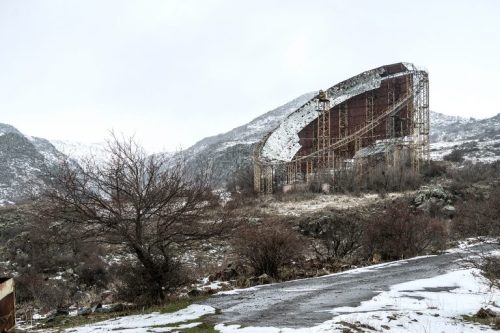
(427,305)
(153,322)
(321,202)
(475,150)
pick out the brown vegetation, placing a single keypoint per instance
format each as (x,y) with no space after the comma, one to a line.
(267,246)
(401,232)
(148,204)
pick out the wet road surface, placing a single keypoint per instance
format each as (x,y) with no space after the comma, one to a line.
(305,303)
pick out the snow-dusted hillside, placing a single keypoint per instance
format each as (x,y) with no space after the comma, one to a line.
(24,164)
(479,140)
(253,131)
(24,160)
(79,151)
(232,150)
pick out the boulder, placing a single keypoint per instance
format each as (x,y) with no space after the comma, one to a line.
(486,313)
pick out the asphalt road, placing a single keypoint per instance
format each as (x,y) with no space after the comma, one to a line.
(304,303)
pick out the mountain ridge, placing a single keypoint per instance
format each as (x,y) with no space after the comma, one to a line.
(24,159)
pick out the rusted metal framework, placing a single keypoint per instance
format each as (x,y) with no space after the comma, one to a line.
(388,105)
(7,305)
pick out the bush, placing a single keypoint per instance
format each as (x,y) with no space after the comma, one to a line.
(471,173)
(340,234)
(455,156)
(378,178)
(44,293)
(242,181)
(433,169)
(268,246)
(490,269)
(401,232)
(478,217)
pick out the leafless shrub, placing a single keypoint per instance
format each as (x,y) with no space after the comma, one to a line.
(44,293)
(433,169)
(340,234)
(267,246)
(471,173)
(478,217)
(490,269)
(456,155)
(379,178)
(242,181)
(401,232)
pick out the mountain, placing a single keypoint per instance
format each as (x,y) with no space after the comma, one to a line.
(79,151)
(231,151)
(25,160)
(24,164)
(477,139)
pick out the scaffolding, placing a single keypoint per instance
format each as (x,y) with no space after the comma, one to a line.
(401,117)
(324,158)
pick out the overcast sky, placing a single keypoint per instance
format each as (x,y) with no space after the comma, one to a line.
(173,72)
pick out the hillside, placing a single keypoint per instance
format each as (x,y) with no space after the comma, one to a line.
(230,151)
(478,139)
(24,160)
(24,163)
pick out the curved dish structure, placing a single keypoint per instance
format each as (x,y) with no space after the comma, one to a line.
(388,104)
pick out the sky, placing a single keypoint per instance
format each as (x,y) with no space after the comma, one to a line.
(173,72)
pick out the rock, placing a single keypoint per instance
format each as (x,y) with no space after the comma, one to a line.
(377,258)
(449,210)
(96,307)
(265,279)
(194,293)
(116,307)
(107,297)
(433,199)
(62,312)
(486,313)
(84,311)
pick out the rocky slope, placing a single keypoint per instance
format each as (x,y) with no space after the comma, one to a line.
(228,152)
(24,164)
(477,139)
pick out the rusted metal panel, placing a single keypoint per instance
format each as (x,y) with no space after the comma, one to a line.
(7,305)
(356,114)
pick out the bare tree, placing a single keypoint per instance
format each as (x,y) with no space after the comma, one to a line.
(150,204)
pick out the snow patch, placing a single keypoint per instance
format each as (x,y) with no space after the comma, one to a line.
(148,322)
(427,305)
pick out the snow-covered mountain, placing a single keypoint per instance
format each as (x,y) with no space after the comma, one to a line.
(478,140)
(80,151)
(25,162)
(230,151)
